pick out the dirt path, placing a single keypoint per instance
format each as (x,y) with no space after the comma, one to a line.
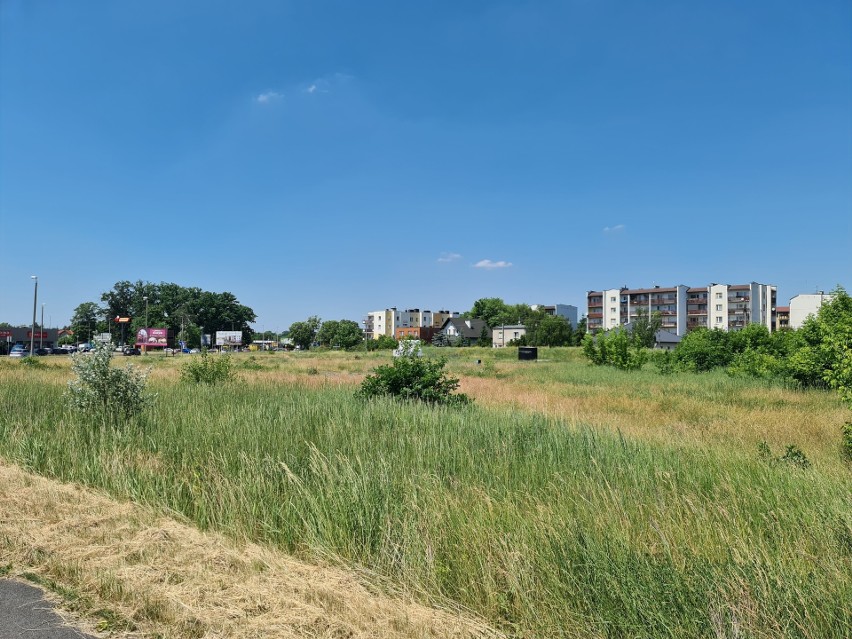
(127,570)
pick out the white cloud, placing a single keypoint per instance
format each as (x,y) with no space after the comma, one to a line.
(614,229)
(449,257)
(488,264)
(269,96)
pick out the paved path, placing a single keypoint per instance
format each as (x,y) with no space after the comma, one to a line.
(25,614)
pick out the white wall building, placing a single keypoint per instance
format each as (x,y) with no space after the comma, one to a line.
(805,304)
(502,335)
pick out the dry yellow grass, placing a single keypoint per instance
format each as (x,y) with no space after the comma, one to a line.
(170,579)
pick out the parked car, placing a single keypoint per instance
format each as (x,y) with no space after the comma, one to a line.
(42,351)
(131,350)
(18,351)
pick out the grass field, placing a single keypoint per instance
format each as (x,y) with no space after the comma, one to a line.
(568,501)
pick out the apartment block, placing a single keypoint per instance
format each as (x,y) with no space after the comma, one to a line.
(683,308)
(387,321)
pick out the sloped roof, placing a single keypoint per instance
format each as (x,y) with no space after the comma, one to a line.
(461,325)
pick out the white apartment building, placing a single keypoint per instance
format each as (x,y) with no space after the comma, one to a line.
(805,304)
(683,308)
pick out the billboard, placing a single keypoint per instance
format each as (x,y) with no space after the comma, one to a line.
(229,338)
(152,337)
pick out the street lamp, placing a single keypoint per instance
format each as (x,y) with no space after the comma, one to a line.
(145,346)
(35,304)
(41,328)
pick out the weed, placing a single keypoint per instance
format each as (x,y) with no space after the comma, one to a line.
(795,456)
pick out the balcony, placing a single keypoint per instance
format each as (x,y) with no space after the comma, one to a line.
(696,312)
(595,316)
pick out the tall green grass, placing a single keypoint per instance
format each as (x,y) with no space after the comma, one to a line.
(544,529)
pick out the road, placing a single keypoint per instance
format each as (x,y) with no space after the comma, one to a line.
(26,614)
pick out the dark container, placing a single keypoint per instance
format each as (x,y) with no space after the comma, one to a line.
(527,353)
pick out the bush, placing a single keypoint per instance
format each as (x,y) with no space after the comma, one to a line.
(207,369)
(106,392)
(752,363)
(846,442)
(664,361)
(614,348)
(413,378)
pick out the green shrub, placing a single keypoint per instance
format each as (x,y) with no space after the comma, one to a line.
(413,378)
(614,348)
(207,369)
(664,361)
(106,392)
(846,442)
(752,363)
(795,456)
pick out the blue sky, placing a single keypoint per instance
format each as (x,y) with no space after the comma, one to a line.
(333,158)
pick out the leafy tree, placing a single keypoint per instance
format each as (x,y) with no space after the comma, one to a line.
(84,322)
(340,334)
(349,334)
(549,330)
(580,331)
(645,327)
(327,332)
(485,337)
(304,333)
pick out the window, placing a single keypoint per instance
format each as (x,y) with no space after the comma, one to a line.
(612,310)
(718,296)
(718,307)
(718,319)
(612,321)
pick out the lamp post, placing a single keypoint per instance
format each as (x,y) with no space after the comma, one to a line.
(35,304)
(41,328)
(145,346)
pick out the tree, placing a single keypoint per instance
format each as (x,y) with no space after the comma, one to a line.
(327,333)
(645,327)
(550,330)
(580,331)
(304,333)
(349,334)
(84,322)
(485,337)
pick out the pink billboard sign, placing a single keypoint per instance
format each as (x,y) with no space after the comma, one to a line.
(152,337)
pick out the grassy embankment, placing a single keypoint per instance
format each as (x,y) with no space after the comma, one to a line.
(570,501)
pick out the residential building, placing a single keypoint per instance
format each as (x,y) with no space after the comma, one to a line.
(782,317)
(805,304)
(567,311)
(502,335)
(466,329)
(683,308)
(386,322)
(423,333)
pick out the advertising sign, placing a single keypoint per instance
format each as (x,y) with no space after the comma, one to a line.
(5,333)
(37,335)
(152,337)
(229,338)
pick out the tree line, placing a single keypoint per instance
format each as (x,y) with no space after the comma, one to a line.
(185,311)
